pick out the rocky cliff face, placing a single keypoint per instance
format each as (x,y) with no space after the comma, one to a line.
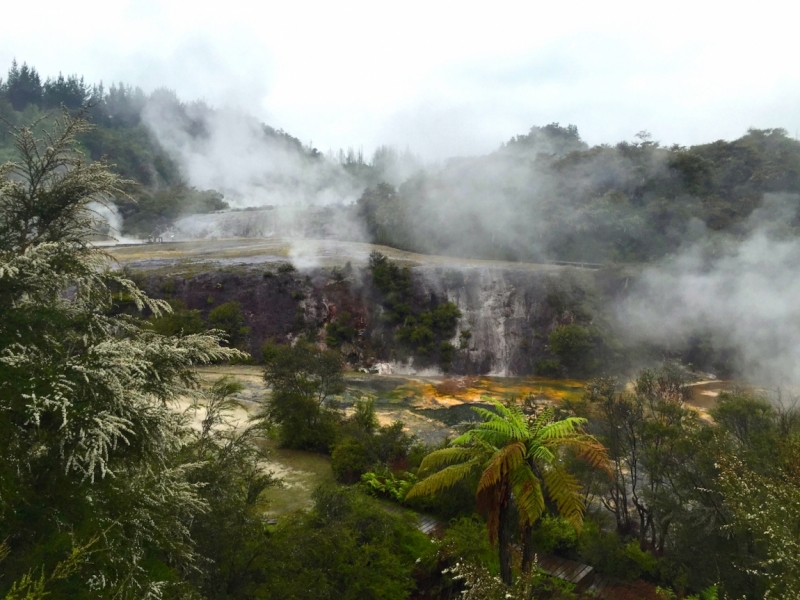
(506,313)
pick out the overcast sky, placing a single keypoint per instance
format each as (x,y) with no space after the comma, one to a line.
(444,78)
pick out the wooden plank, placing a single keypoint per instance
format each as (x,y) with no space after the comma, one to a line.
(546,563)
(597,584)
(602,586)
(572,573)
(427,524)
(558,564)
(583,573)
(566,568)
(563,568)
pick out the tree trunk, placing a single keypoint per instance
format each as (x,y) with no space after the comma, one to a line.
(527,550)
(504,536)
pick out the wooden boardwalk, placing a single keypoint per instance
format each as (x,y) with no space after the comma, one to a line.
(585,579)
(568,570)
(430,525)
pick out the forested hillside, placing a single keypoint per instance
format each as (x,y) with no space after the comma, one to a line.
(547,195)
(157,192)
(544,195)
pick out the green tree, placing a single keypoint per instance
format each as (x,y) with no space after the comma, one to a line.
(23,86)
(572,344)
(70,92)
(766,507)
(228,317)
(340,331)
(348,547)
(303,381)
(521,462)
(181,321)
(229,471)
(648,433)
(89,446)
(362,445)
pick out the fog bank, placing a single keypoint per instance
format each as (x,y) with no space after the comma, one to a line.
(741,294)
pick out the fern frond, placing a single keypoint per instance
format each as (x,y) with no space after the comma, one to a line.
(563,428)
(465,439)
(528,496)
(445,478)
(590,451)
(563,488)
(545,417)
(542,454)
(446,456)
(486,414)
(502,464)
(502,427)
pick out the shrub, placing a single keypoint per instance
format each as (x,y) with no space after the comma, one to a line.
(348,547)
(554,534)
(547,367)
(447,353)
(464,338)
(613,556)
(228,317)
(445,317)
(286,268)
(340,331)
(466,540)
(383,482)
(572,344)
(391,445)
(351,458)
(180,321)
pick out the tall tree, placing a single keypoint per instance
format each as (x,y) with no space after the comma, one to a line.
(89,446)
(24,86)
(70,92)
(520,459)
(648,434)
(303,380)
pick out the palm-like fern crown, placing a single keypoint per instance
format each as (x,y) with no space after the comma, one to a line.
(516,453)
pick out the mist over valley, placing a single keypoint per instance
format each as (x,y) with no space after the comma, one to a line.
(461,347)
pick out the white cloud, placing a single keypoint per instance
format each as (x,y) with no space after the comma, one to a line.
(354,73)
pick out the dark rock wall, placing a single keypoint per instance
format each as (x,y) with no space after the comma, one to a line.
(508,312)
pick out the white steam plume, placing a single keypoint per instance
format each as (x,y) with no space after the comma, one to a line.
(249,163)
(746,294)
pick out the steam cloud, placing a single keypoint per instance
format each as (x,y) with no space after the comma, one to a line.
(744,295)
(251,165)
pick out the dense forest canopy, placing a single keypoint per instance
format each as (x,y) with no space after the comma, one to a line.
(546,195)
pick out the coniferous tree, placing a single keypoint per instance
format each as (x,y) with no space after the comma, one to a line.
(71,92)
(24,87)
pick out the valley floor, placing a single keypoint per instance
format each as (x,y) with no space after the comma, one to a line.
(428,406)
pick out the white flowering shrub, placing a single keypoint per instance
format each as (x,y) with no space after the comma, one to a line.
(767,508)
(89,444)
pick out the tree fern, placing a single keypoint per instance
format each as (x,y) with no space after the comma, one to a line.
(521,462)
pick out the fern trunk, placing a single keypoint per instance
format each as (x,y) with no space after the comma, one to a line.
(504,536)
(527,550)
